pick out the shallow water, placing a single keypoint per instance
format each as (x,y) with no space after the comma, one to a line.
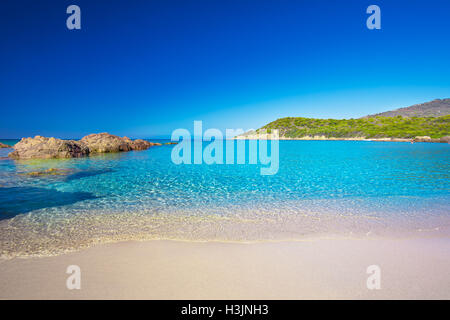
(322,189)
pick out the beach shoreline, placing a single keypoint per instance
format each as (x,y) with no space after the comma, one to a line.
(165,269)
(322,138)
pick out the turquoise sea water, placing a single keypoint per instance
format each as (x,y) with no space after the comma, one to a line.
(9,142)
(322,189)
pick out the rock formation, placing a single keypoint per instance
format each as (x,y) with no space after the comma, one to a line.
(105,142)
(445,139)
(47,148)
(140,144)
(435,108)
(2,145)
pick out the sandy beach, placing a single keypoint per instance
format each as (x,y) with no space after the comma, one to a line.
(323,138)
(319,269)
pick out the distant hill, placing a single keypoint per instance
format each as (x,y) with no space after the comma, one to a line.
(430,119)
(435,108)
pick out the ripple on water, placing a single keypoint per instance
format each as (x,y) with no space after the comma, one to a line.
(322,189)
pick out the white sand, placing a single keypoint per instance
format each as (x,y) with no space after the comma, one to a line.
(327,269)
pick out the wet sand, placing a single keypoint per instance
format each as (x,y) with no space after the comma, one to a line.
(320,269)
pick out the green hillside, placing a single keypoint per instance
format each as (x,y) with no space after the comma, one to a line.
(376,127)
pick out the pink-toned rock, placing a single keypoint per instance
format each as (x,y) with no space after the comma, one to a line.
(48,148)
(2,145)
(445,139)
(422,139)
(105,142)
(140,144)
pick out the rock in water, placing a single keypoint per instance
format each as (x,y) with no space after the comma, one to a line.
(48,172)
(105,142)
(140,144)
(48,148)
(2,145)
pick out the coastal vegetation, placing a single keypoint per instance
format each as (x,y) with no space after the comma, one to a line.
(427,122)
(369,127)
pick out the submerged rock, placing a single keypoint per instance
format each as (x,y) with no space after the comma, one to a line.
(47,148)
(50,172)
(2,145)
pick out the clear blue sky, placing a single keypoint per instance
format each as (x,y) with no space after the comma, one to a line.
(145,68)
